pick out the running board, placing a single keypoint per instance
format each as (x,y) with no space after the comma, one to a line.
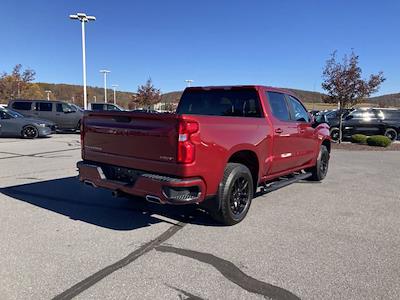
(284,181)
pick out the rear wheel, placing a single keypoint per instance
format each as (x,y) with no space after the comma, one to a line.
(319,171)
(29,132)
(235,194)
(391,133)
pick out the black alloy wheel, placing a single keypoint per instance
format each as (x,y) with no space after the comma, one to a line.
(239,197)
(30,132)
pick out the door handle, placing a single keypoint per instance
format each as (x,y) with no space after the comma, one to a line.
(302,130)
(278,130)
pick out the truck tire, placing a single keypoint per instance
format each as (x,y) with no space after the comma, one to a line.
(391,133)
(319,171)
(235,194)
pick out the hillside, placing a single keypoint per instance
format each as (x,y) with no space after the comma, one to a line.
(69,92)
(386,100)
(306,96)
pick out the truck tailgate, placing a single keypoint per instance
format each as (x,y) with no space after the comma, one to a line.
(131,135)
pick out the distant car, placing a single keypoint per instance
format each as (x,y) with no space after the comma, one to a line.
(152,111)
(368,121)
(13,124)
(3,105)
(63,114)
(104,106)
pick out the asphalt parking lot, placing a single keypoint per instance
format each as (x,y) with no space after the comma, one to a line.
(339,239)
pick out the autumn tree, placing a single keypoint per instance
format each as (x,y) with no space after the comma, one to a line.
(146,95)
(18,84)
(344,84)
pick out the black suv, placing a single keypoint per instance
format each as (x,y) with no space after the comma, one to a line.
(368,121)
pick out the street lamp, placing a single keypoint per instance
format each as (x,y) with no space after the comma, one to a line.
(114,87)
(48,94)
(105,72)
(83,18)
(189,82)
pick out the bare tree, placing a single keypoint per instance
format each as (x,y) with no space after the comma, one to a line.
(146,95)
(344,84)
(19,84)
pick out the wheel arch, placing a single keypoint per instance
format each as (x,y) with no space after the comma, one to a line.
(249,159)
(327,143)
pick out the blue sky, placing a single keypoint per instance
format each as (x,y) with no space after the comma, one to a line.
(278,43)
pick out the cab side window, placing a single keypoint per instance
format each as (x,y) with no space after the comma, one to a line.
(299,113)
(278,106)
(63,107)
(22,105)
(44,106)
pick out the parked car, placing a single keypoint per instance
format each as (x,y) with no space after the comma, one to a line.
(63,114)
(221,145)
(13,124)
(146,110)
(333,116)
(368,121)
(104,106)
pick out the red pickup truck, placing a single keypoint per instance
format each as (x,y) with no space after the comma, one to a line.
(216,150)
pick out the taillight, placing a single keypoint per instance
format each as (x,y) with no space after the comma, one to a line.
(186,149)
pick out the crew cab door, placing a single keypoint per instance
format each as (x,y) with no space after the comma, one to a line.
(284,130)
(305,140)
(44,110)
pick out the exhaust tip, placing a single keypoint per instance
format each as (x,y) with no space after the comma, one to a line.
(153,199)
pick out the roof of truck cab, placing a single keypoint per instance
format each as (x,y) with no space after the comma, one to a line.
(253,86)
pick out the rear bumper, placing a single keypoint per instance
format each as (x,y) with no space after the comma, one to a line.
(153,187)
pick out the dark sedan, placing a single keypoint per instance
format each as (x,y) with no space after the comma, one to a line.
(13,124)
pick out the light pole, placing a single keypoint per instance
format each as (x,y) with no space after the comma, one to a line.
(105,72)
(48,94)
(189,82)
(114,87)
(83,18)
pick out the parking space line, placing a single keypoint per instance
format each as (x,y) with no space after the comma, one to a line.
(14,155)
(96,277)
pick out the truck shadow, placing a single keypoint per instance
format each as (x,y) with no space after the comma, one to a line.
(67,196)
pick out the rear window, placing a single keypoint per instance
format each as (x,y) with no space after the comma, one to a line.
(229,103)
(97,106)
(44,106)
(391,114)
(22,105)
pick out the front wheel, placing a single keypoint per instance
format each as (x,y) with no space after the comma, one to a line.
(335,134)
(319,171)
(235,194)
(29,132)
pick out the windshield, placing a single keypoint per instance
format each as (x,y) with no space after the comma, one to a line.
(12,113)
